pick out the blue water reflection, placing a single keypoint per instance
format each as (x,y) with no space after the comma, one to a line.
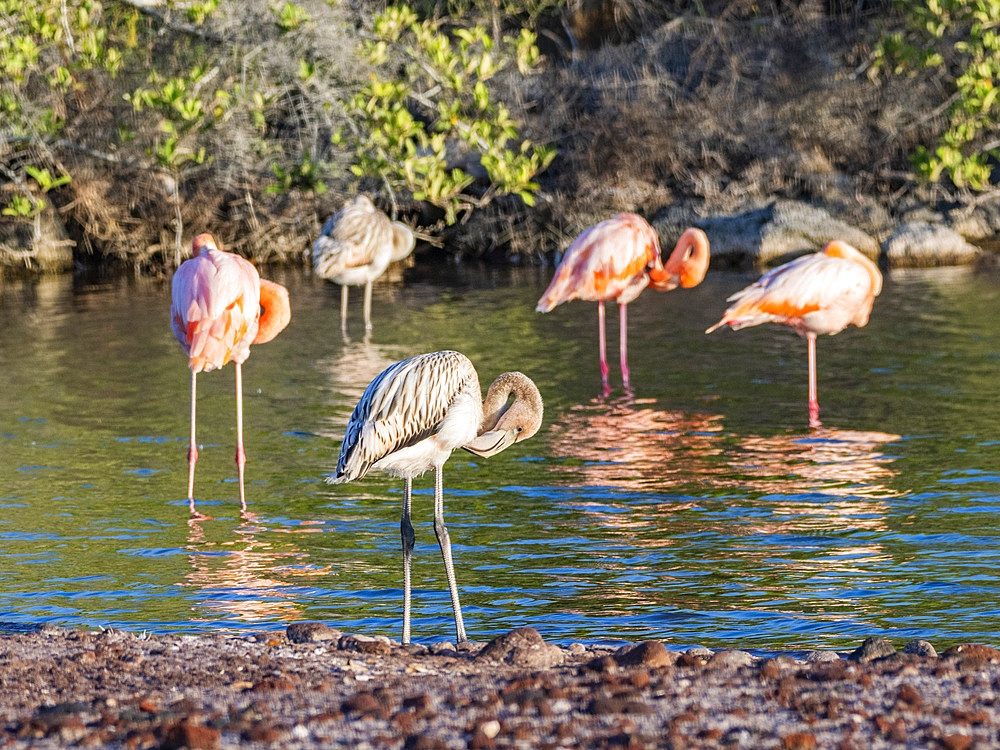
(699,509)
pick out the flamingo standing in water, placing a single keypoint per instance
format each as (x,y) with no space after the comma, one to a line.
(409,420)
(355,247)
(216,315)
(819,293)
(615,260)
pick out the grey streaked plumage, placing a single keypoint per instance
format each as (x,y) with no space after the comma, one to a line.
(403,405)
(355,247)
(410,419)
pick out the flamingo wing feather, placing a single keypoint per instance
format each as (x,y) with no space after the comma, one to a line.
(606,261)
(404,404)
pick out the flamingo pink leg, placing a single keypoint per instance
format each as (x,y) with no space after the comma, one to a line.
(603,347)
(623,344)
(193,450)
(813,400)
(241,456)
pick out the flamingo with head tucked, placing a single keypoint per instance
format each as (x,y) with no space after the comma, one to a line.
(216,315)
(355,247)
(410,419)
(819,293)
(615,260)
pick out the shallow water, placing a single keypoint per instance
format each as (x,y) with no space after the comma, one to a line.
(699,510)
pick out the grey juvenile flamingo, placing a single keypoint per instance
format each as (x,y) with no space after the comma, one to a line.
(355,247)
(410,419)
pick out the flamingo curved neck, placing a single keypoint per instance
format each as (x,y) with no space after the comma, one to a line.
(688,263)
(276,311)
(525,411)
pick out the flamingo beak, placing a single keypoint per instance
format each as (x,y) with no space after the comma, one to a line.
(492,442)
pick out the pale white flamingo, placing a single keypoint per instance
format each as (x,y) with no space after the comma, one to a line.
(409,420)
(355,247)
(819,293)
(615,260)
(216,315)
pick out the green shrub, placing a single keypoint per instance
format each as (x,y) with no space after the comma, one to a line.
(419,130)
(959,40)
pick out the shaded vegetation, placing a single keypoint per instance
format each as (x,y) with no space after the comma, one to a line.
(497,127)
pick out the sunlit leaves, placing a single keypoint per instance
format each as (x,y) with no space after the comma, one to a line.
(417,128)
(959,39)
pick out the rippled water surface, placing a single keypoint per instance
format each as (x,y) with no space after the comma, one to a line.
(699,510)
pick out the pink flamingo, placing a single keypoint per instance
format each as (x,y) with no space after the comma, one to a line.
(819,293)
(615,260)
(216,315)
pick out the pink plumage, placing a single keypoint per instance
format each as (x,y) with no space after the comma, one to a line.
(215,313)
(607,261)
(816,294)
(615,260)
(821,293)
(215,306)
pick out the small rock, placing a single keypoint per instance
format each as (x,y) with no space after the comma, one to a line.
(616,705)
(522,647)
(730,659)
(363,704)
(974,651)
(261,733)
(920,648)
(307,632)
(273,683)
(577,649)
(646,654)
(193,736)
(956,742)
(363,644)
(818,657)
(920,244)
(799,741)
(910,695)
(873,648)
(442,647)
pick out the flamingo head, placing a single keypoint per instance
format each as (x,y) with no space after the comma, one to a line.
(203,243)
(505,424)
(687,264)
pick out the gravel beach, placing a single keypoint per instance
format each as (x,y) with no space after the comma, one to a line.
(315,687)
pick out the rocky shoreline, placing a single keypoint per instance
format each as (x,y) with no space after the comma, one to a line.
(312,686)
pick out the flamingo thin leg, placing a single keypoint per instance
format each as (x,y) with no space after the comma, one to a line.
(445,543)
(623,344)
(368,306)
(241,456)
(602,347)
(193,450)
(406,532)
(343,308)
(813,400)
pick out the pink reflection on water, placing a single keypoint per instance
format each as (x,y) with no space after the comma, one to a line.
(249,569)
(629,444)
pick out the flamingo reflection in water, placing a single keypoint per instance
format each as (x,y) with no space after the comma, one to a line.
(826,482)
(247,578)
(630,444)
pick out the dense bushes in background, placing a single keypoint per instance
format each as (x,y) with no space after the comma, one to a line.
(134,124)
